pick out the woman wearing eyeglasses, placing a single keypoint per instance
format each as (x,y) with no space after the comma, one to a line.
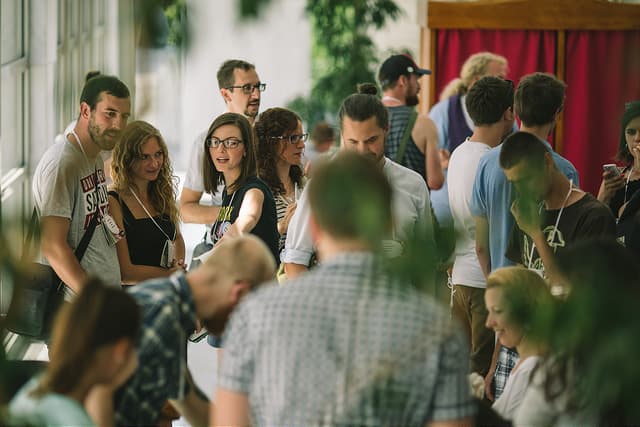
(247,202)
(280,148)
(143,204)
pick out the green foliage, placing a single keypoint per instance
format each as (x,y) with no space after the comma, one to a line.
(176,13)
(343,54)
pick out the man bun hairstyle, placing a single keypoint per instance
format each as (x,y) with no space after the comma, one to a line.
(363,105)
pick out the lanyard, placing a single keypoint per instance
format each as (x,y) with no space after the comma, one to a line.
(95,171)
(149,215)
(555,227)
(626,185)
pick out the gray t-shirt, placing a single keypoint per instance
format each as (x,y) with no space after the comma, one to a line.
(63,186)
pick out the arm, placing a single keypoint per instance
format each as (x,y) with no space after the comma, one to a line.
(528,219)
(192,211)
(298,248)
(194,406)
(56,250)
(426,136)
(232,409)
(283,224)
(248,215)
(131,273)
(482,245)
(180,249)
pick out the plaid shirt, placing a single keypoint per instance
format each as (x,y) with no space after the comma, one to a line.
(507,360)
(344,345)
(168,316)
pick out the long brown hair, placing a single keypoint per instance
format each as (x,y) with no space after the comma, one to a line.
(271,124)
(163,191)
(212,177)
(100,315)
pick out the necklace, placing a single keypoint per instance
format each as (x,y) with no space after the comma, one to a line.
(555,227)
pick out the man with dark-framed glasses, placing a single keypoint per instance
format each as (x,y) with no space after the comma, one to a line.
(241,89)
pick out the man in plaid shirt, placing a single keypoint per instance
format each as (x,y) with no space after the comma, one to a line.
(170,308)
(346,343)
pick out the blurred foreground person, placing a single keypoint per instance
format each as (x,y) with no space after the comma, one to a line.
(89,350)
(170,308)
(591,377)
(346,343)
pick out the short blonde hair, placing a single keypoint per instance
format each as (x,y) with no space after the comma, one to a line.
(243,258)
(523,293)
(475,67)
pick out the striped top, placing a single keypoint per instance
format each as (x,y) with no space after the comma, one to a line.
(413,157)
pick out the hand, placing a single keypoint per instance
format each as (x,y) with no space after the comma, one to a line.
(635,152)
(283,224)
(180,264)
(610,184)
(527,216)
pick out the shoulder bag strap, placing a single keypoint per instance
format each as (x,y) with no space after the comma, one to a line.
(405,136)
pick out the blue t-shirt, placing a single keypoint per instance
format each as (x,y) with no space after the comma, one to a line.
(492,197)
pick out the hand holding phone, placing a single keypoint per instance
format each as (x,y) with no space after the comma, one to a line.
(611,170)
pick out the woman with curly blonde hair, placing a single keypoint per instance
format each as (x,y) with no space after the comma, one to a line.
(143,204)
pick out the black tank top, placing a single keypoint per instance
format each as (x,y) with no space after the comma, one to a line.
(144,240)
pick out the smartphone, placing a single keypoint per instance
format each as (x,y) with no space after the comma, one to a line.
(611,169)
(198,336)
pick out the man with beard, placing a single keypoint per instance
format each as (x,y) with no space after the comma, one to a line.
(69,188)
(170,308)
(418,150)
(240,88)
(364,123)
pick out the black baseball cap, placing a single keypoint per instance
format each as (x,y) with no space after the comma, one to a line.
(399,65)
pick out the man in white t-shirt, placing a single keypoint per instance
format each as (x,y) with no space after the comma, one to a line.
(240,88)
(490,105)
(364,123)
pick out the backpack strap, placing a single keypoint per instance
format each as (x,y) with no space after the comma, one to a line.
(405,136)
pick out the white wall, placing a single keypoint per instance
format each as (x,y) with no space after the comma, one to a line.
(404,33)
(278,43)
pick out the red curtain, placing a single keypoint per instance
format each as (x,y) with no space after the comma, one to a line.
(602,73)
(526,51)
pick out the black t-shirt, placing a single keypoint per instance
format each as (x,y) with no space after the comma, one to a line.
(584,219)
(267,226)
(618,198)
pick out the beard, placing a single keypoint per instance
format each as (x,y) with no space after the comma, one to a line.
(412,100)
(104,139)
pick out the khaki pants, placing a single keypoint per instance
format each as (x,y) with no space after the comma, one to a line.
(469,309)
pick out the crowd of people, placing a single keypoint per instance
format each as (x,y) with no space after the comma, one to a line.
(297,280)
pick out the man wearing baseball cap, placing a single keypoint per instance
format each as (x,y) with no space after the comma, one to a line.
(412,140)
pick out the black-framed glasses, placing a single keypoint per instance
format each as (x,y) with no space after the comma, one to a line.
(249,88)
(214,142)
(292,139)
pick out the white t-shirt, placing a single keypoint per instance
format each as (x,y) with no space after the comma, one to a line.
(410,207)
(194,179)
(511,398)
(462,173)
(63,186)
